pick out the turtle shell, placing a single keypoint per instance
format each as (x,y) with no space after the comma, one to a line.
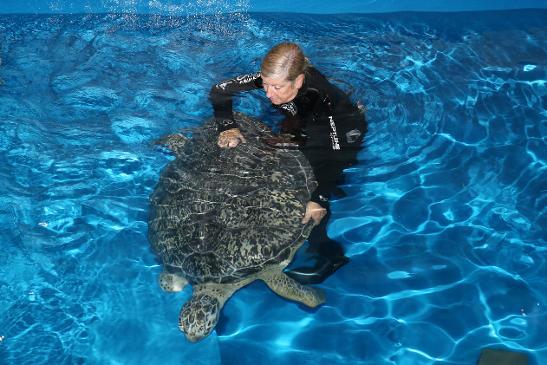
(220,215)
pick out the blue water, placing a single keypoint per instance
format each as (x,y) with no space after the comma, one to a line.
(444,219)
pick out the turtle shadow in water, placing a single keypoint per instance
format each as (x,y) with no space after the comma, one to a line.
(223,218)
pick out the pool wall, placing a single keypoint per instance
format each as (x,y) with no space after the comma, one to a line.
(185,7)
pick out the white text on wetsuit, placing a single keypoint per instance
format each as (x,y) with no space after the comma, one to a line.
(333,134)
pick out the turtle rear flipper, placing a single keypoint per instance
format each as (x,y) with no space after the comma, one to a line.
(174,142)
(289,288)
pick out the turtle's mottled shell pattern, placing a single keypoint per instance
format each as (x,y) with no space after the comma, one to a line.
(220,215)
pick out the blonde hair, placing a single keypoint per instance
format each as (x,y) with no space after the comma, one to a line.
(284,60)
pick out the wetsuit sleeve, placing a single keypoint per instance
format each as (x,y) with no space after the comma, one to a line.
(329,160)
(334,138)
(329,175)
(221,97)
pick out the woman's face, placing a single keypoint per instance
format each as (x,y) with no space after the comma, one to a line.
(280,90)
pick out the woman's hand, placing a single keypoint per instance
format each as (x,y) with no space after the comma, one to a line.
(314,211)
(230,138)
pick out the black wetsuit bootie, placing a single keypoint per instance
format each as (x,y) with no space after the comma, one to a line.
(322,269)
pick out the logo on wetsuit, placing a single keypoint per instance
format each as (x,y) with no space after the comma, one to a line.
(333,134)
(353,136)
(290,107)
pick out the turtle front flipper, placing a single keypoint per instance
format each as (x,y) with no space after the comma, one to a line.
(199,315)
(288,288)
(172,282)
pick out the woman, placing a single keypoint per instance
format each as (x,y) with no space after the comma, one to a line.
(320,119)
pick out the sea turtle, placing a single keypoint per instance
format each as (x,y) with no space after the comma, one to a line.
(222,218)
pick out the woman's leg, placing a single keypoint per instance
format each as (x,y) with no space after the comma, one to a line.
(323,256)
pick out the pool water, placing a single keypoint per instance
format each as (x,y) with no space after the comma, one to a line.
(444,218)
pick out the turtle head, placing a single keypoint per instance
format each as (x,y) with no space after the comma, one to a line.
(199,316)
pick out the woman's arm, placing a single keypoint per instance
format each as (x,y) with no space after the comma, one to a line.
(221,97)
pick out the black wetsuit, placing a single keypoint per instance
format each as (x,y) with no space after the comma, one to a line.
(329,129)
(328,125)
